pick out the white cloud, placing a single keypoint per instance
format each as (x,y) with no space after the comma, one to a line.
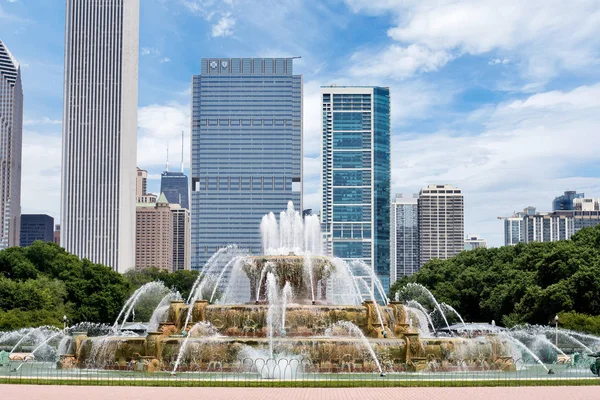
(528,152)
(496,61)
(224,27)
(145,51)
(164,60)
(160,126)
(397,61)
(43,121)
(546,35)
(40,175)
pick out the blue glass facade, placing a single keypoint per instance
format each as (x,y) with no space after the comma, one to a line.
(175,187)
(246,150)
(356,175)
(565,201)
(36,227)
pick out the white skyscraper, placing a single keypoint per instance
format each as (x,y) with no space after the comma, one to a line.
(100,131)
(441,222)
(11,132)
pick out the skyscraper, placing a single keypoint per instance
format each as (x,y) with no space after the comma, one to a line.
(11,132)
(356,175)
(565,201)
(181,237)
(36,227)
(441,222)
(141,183)
(100,131)
(175,184)
(404,237)
(246,149)
(154,235)
(513,229)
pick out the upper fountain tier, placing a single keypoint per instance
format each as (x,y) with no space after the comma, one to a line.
(292,234)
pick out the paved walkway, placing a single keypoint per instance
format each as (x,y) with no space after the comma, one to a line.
(31,392)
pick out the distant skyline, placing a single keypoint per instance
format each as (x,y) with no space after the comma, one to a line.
(506,108)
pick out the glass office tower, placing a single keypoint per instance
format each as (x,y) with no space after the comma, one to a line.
(246,150)
(175,187)
(356,175)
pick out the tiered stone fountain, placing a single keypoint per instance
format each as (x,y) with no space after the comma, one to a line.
(223,336)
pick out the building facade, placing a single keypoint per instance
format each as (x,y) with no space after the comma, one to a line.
(36,227)
(100,131)
(246,150)
(181,237)
(154,235)
(404,240)
(175,186)
(513,229)
(356,175)
(552,226)
(473,242)
(548,226)
(11,132)
(141,183)
(564,202)
(441,222)
(57,234)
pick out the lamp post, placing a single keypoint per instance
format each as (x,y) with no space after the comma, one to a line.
(556,330)
(64,322)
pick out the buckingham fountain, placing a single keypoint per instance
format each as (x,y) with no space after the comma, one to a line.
(291,311)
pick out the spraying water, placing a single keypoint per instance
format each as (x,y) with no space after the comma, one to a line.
(199,329)
(355,332)
(419,306)
(162,309)
(522,346)
(127,309)
(422,290)
(309,267)
(286,297)
(273,300)
(452,310)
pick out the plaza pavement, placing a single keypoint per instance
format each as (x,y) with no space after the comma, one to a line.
(32,392)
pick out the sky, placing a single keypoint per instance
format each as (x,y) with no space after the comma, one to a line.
(500,98)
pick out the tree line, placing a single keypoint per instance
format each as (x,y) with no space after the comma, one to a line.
(526,283)
(42,282)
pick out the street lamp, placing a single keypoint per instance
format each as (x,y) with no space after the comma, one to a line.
(556,330)
(64,322)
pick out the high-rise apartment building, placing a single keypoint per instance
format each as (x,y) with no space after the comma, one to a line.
(11,132)
(141,183)
(154,235)
(404,237)
(513,229)
(100,131)
(36,227)
(564,202)
(246,150)
(441,222)
(181,237)
(356,175)
(531,226)
(473,242)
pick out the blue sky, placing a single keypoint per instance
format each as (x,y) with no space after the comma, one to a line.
(498,97)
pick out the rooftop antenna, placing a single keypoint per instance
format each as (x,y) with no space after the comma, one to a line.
(167,165)
(181,151)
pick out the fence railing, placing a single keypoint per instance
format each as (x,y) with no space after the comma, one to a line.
(296,372)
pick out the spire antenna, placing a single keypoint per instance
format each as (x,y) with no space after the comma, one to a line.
(181,151)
